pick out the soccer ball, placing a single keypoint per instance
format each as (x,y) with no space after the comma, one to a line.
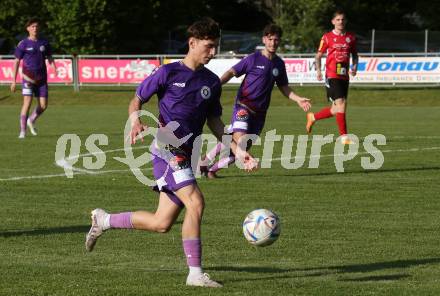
(261,227)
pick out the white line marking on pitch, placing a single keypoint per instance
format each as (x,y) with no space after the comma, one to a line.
(62,163)
(82,172)
(363,153)
(103,152)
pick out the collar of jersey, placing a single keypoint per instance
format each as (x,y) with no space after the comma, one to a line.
(342,34)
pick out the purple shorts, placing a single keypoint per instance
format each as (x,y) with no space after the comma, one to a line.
(38,91)
(244,120)
(173,171)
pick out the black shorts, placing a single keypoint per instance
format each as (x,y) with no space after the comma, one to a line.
(336,88)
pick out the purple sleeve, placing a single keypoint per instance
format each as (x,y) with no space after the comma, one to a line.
(215,108)
(151,85)
(243,66)
(282,76)
(19,50)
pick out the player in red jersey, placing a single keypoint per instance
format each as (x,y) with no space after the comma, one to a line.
(339,45)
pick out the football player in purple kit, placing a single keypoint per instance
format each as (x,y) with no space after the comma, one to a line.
(188,94)
(262,70)
(33,51)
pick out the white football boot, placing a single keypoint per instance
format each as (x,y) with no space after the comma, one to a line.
(202,280)
(99,217)
(31,127)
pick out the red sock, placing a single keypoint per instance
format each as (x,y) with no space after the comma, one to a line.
(324,113)
(342,124)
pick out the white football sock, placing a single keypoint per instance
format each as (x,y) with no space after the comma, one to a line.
(106,221)
(195,271)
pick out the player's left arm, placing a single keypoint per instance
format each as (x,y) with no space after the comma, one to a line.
(217,127)
(52,63)
(354,58)
(50,58)
(303,103)
(354,65)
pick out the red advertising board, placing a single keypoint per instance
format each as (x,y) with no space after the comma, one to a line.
(115,71)
(64,74)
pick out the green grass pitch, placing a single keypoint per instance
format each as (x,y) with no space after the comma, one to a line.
(361,232)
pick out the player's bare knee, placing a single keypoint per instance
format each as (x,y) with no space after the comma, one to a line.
(196,204)
(43,107)
(163,227)
(339,105)
(196,207)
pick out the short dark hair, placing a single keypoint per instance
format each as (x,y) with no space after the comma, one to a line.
(32,20)
(272,29)
(205,28)
(338,12)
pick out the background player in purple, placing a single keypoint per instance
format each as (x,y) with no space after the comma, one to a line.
(262,69)
(33,51)
(189,94)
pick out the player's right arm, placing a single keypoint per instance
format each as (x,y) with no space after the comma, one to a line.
(19,54)
(136,125)
(14,74)
(227,76)
(318,57)
(242,67)
(321,50)
(150,86)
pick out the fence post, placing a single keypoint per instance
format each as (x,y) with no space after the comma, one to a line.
(372,40)
(426,41)
(75,73)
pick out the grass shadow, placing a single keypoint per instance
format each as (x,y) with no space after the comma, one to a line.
(331,270)
(46,231)
(376,278)
(383,265)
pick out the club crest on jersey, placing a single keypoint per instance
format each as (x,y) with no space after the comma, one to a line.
(275,72)
(42,48)
(348,39)
(242,115)
(205,92)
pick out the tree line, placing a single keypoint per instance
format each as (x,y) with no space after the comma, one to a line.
(144,27)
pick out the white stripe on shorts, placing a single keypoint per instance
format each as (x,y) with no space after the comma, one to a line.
(27,92)
(240,125)
(183,175)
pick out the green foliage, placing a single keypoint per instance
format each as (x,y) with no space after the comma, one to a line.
(301,21)
(13,16)
(130,26)
(79,26)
